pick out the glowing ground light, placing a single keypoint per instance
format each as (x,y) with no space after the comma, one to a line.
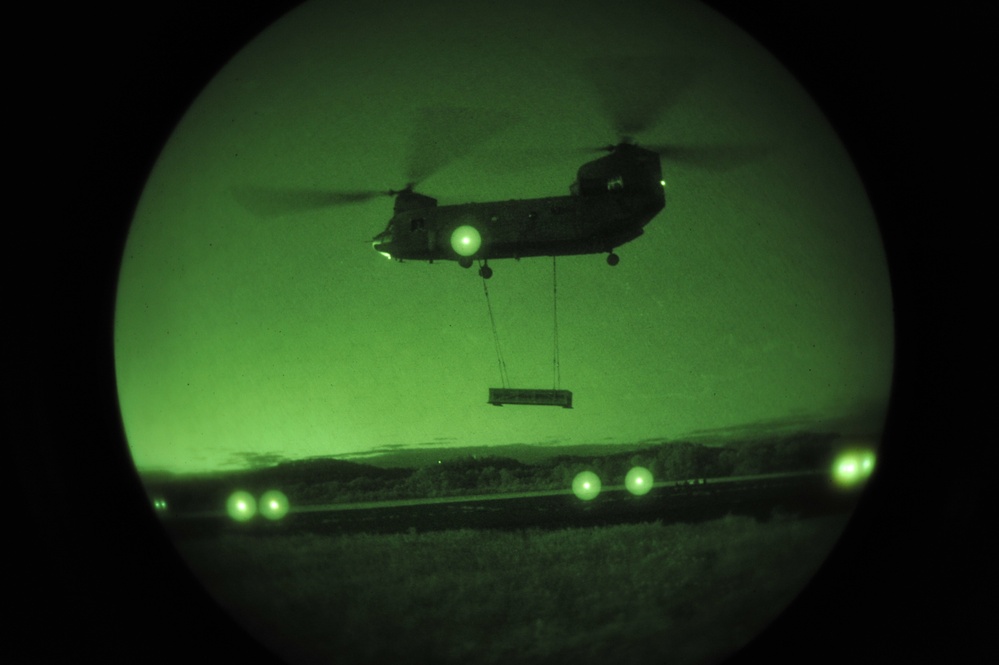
(273,505)
(638,481)
(586,485)
(853,467)
(466,240)
(159,503)
(241,506)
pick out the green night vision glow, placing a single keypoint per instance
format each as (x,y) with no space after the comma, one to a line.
(586,485)
(273,505)
(241,506)
(852,467)
(638,481)
(466,240)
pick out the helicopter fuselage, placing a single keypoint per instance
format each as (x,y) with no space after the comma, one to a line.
(610,202)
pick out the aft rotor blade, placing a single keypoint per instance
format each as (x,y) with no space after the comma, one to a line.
(274,201)
(712,157)
(636,91)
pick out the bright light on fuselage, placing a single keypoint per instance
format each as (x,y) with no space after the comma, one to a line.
(465,240)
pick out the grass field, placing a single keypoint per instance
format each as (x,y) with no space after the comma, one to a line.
(677,593)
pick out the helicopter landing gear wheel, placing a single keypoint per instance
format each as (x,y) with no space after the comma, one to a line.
(485,272)
(612,259)
(465,262)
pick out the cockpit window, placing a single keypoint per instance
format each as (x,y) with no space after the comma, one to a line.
(615,183)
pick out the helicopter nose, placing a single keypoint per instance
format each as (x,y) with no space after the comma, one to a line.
(377,244)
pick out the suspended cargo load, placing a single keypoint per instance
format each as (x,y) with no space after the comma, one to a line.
(540,397)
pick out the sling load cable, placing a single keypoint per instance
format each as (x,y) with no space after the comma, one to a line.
(499,353)
(555,356)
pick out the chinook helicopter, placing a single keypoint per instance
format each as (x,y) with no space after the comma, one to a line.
(609,203)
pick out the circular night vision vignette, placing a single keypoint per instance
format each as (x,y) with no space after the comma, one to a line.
(849,471)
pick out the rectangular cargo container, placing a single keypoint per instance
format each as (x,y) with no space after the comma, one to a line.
(537,396)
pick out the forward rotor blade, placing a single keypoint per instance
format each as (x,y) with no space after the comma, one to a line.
(446,133)
(274,201)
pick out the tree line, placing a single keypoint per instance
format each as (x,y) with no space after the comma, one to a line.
(323,481)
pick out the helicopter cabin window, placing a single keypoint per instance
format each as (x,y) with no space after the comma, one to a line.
(615,183)
(418,224)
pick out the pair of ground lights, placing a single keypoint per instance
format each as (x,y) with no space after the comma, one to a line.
(241,505)
(586,485)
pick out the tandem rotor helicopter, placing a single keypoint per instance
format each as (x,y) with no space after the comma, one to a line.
(609,203)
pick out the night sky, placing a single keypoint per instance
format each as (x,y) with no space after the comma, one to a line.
(759,296)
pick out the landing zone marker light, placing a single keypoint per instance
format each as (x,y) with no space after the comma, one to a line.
(273,505)
(241,506)
(853,467)
(638,481)
(586,485)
